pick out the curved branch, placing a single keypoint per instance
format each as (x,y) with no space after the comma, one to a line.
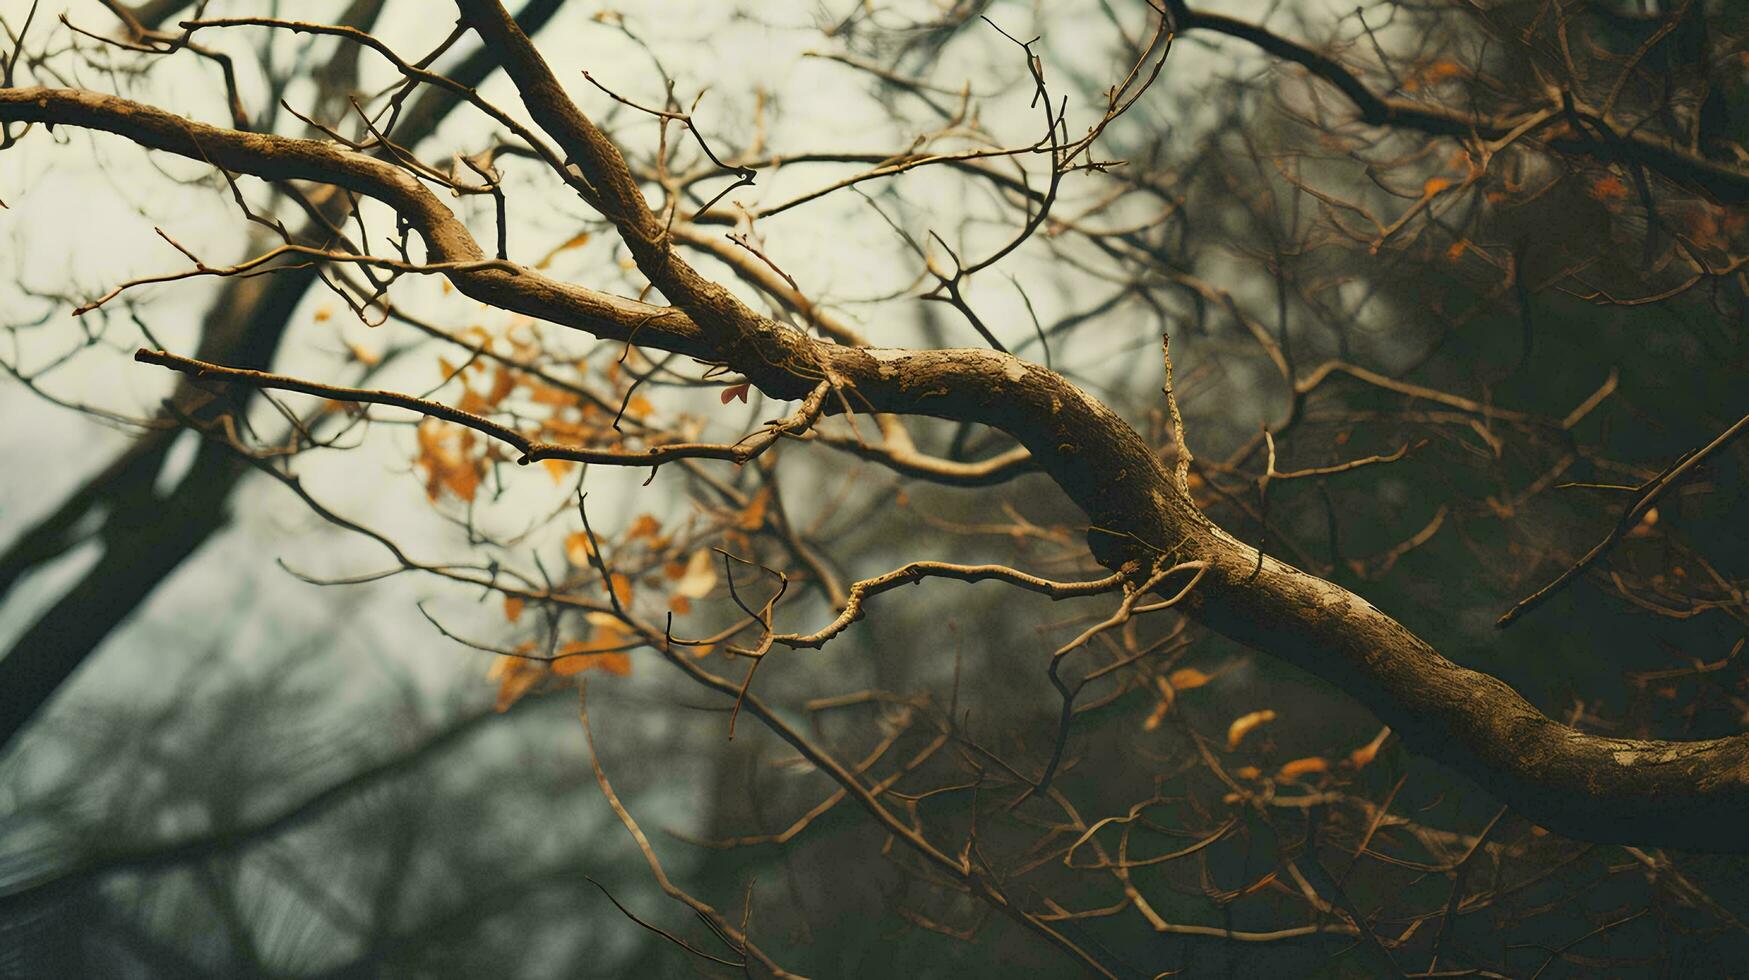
(917,571)
(1687,794)
(1723,181)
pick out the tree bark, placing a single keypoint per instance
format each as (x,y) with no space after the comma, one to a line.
(1688,794)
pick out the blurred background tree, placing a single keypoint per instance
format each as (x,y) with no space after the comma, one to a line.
(1454,292)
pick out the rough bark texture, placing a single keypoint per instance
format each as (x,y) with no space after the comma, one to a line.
(1689,794)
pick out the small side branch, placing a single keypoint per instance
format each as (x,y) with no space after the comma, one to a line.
(532,450)
(1643,501)
(919,570)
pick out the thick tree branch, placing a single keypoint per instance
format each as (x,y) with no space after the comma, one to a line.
(1691,794)
(1723,181)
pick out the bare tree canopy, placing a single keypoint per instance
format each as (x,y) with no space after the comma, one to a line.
(1365,388)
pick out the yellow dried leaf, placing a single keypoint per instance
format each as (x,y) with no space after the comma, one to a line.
(1244,724)
(512,608)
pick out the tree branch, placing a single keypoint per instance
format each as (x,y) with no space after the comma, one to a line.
(1691,794)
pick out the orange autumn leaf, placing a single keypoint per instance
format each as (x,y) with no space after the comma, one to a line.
(698,577)
(617,664)
(512,608)
(544,394)
(1456,251)
(1364,755)
(1439,71)
(564,431)
(736,391)
(1608,189)
(444,454)
(464,482)
(679,605)
(575,657)
(472,403)
(503,383)
(1248,772)
(753,518)
(576,241)
(578,549)
(602,651)
(1433,74)
(1300,767)
(516,676)
(638,406)
(1245,724)
(368,358)
(646,526)
(1156,716)
(1187,678)
(558,469)
(622,588)
(1434,185)
(1703,227)
(1645,525)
